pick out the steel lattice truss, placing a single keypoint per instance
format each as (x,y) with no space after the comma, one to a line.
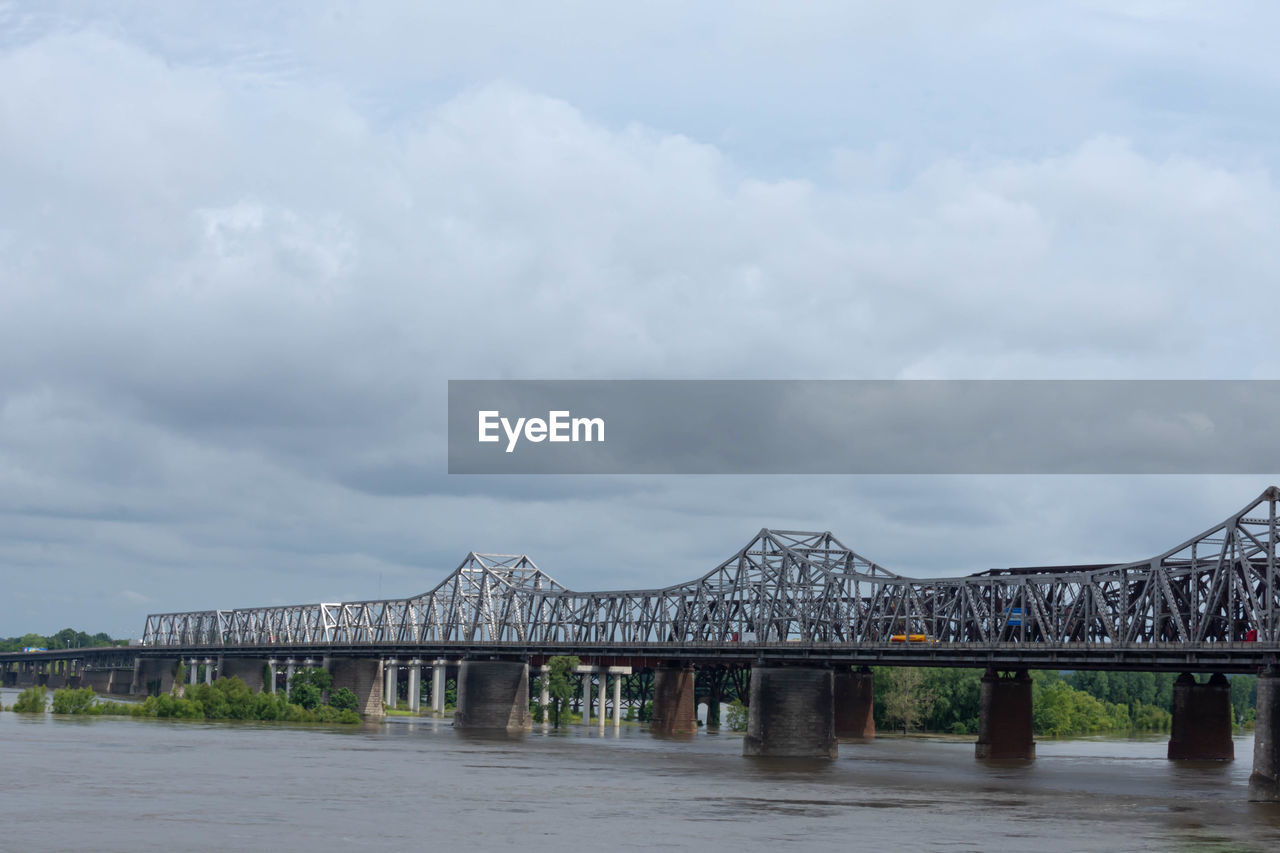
(793,586)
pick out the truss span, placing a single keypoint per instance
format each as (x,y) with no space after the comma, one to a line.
(799,587)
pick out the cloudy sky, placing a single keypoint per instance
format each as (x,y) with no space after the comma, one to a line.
(242,250)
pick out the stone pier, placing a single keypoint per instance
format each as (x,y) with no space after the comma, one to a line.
(363,677)
(153,676)
(1264,783)
(1004,717)
(493,695)
(675,711)
(792,713)
(854,704)
(248,670)
(1201,728)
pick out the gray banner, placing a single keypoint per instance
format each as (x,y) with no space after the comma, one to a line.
(863,427)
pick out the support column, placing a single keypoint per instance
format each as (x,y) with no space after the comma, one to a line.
(586,695)
(674,710)
(855,704)
(193,671)
(271,675)
(602,684)
(1201,727)
(248,670)
(135,686)
(363,677)
(792,713)
(437,686)
(1004,717)
(617,698)
(415,685)
(208,670)
(493,695)
(392,669)
(544,694)
(1264,783)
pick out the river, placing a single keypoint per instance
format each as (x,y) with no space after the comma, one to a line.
(115,784)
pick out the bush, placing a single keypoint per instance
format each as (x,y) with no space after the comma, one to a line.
(71,701)
(736,718)
(305,694)
(31,701)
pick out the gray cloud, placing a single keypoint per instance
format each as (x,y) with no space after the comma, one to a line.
(242,251)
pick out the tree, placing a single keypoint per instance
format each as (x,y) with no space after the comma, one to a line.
(31,700)
(907,701)
(736,718)
(560,683)
(343,699)
(308,686)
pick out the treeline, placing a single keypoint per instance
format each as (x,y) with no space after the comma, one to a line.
(1079,703)
(67,638)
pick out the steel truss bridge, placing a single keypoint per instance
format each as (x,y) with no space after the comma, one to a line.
(1209,603)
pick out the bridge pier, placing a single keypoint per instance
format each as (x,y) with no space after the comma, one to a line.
(1201,728)
(855,704)
(1004,717)
(363,677)
(544,694)
(153,676)
(438,673)
(792,713)
(493,695)
(248,670)
(675,711)
(1264,782)
(391,669)
(415,685)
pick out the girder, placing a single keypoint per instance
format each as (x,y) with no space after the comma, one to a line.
(789,586)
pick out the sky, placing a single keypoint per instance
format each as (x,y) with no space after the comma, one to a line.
(244,246)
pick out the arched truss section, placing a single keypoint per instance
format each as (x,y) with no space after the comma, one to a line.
(794,586)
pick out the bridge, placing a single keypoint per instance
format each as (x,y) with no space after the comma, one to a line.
(802,611)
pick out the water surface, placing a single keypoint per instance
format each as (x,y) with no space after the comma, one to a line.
(137,785)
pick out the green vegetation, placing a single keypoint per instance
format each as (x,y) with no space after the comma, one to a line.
(308,686)
(1080,703)
(560,684)
(67,638)
(736,717)
(31,701)
(343,699)
(224,699)
(71,701)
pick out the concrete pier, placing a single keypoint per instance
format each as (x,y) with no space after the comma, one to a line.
(271,676)
(493,695)
(855,704)
(1264,782)
(1201,728)
(392,671)
(415,685)
(792,713)
(363,677)
(674,708)
(437,685)
(1004,717)
(248,670)
(586,693)
(153,676)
